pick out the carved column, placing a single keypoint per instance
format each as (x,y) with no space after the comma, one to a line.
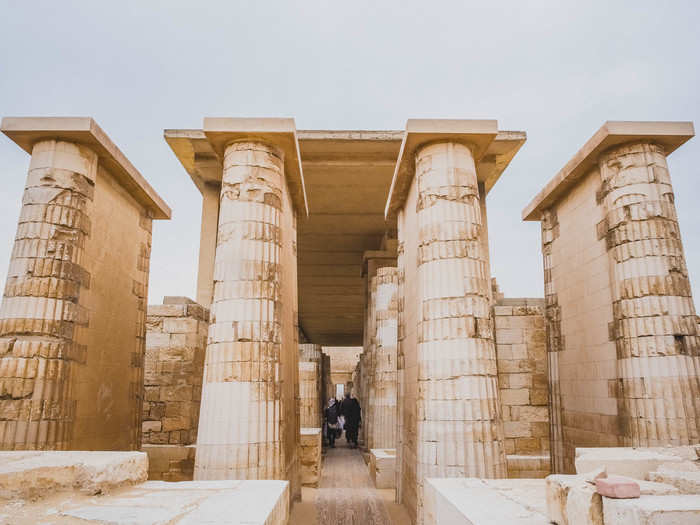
(240,426)
(310,402)
(460,430)
(384,404)
(654,327)
(42,318)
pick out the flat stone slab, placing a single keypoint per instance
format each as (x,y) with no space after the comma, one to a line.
(161,502)
(472,501)
(634,463)
(33,474)
(652,510)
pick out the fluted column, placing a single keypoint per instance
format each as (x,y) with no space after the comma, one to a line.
(310,402)
(384,404)
(654,327)
(460,431)
(42,317)
(240,423)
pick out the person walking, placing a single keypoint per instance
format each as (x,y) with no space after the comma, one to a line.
(331,414)
(351,411)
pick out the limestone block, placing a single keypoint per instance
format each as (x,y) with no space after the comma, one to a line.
(170,462)
(187,502)
(652,510)
(472,501)
(29,475)
(685,482)
(521,466)
(382,467)
(618,487)
(623,461)
(310,446)
(571,500)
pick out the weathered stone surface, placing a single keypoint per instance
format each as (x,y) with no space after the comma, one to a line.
(630,462)
(310,446)
(382,467)
(30,474)
(652,510)
(310,386)
(170,462)
(617,487)
(188,502)
(686,482)
(470,501)
(571,500)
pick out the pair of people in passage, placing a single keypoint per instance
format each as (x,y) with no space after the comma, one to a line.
(350,412)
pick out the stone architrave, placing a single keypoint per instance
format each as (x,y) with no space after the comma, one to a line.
(72,320)
(249,424)
(626,341)
(451,418)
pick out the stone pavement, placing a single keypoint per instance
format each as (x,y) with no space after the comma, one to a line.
(346,494)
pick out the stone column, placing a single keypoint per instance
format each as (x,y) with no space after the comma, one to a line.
(654,326)
(370,358)
(239,430)
(42,317)
(310,402)
(383,414)
(459,429)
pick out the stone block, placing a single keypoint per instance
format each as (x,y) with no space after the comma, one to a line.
(310,447)
(254,502)
(652,510)
(515,396)
(151,426)
(685,482)
(630,462)
(571,500)
(618,487)
(382,467)
(34,474)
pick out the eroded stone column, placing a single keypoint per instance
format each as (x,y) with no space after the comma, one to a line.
(310,402)
(654,326)
(240,426)
(42,317)
(555,344)
(383,413)
(369,362)
(460,432)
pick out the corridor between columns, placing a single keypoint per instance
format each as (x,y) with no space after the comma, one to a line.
(346,494)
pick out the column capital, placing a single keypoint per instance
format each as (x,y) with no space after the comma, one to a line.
(280,132)
(669,135)
(27,131)
(495,148)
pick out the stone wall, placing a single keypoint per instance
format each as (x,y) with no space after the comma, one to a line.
(72,319)
(170,462)
(176,340)
(622,342)
(522,382)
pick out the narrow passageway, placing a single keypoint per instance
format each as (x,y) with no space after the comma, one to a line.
(346,494)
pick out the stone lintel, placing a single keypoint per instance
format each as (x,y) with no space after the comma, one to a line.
(670,135)
(27,131)
(492,151)
(278,131)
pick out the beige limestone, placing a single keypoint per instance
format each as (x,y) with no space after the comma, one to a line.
(522,382)
(170,462)
(176,336)
(188,502)
(38,474)
(310,386)
(621,325)
(470,501)
(310,445)
(382,467)
(71,372)
(633,463)
(652,510)
(249,418)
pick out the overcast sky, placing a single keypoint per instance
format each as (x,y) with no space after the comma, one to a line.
(556,70)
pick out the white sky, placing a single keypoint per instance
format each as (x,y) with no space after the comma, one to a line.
(556,70)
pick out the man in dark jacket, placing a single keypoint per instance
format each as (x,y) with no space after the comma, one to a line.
(351,411)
